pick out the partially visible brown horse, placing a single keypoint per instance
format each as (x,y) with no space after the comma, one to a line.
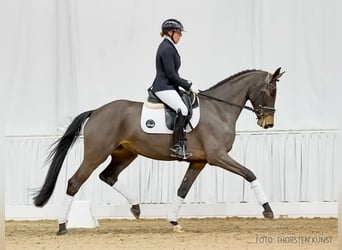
(114,129)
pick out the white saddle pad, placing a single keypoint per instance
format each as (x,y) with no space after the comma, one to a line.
(153,119)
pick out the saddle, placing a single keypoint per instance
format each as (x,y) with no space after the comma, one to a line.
(190,100)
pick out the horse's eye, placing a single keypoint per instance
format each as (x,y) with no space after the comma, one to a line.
(272,92)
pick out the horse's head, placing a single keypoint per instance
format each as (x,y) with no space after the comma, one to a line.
(263,99)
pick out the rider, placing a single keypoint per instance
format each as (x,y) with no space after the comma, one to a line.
(167,82)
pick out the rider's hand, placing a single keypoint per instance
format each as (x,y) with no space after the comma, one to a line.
(194,89)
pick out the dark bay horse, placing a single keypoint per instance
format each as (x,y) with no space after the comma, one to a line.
(114,129)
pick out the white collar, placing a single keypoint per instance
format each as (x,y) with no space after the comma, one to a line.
(169,38)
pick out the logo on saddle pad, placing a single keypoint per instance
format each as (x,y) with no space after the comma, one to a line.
(155,119)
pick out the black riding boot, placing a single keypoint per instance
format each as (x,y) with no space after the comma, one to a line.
(179,138)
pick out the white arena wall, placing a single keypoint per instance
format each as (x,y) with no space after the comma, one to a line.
(62,57)
(298,170)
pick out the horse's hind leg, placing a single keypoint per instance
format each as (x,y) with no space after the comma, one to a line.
(188,179)
(74,184)
(121,158)
(226,162)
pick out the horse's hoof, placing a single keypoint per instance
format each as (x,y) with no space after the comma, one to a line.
(62,232)
(62,229)
(268,215)
(178,229)
(135,210)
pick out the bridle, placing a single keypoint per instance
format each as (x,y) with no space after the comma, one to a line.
(260,110)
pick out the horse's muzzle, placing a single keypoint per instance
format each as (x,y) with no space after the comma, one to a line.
(266,122)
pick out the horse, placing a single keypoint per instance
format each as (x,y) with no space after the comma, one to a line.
(114,130)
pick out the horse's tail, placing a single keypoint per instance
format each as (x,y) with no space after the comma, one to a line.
(57,155)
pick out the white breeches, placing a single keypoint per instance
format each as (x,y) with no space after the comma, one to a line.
(172,99)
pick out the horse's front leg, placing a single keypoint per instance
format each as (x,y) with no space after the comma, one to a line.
(188,179)
(226,162)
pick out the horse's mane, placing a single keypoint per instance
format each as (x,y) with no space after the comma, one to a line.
(231,78)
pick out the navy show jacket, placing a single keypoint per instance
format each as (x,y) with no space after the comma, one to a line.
(167,65)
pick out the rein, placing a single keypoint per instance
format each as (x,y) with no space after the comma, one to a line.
(261,108)
(229,103)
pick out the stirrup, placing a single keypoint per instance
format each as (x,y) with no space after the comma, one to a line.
(179,152)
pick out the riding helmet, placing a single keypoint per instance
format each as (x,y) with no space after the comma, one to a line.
(172,24)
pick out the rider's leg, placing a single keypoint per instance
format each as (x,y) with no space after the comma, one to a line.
(172,99)
(179,137)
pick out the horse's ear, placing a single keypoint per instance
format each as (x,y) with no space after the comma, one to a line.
(276,75)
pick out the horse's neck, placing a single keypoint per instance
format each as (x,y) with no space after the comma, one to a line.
(235,93)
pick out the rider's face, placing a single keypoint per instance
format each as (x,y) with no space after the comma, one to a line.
(176,35)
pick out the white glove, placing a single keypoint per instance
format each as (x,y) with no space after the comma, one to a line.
(194,89)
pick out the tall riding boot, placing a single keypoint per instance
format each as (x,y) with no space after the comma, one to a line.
(179,138)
